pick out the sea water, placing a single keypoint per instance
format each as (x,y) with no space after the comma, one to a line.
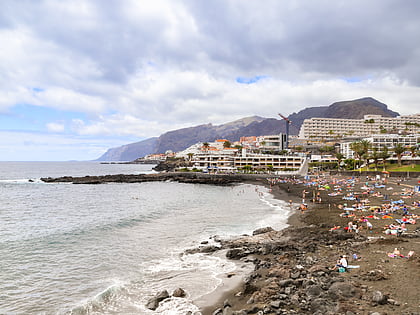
(107,249)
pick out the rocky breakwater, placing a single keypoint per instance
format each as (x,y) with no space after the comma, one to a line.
(293,275)
(182,177)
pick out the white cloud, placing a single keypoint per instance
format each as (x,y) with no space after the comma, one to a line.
(55,127)
(140,68)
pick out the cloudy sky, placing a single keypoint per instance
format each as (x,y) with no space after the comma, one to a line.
(78,77)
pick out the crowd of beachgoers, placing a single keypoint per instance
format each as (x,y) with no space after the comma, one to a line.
(364,201)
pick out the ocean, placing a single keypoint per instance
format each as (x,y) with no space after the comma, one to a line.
(107,249)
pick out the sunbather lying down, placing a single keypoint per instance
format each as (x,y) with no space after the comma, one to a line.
(396,254)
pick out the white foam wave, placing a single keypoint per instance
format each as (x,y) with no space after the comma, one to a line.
(277,219)
(22,181)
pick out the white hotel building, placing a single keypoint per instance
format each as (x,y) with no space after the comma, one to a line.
(370,124)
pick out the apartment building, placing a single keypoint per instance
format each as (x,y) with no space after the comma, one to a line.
(228,161)
(370,124)
(381,141)
(273,143)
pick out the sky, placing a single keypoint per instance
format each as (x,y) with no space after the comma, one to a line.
(80,77)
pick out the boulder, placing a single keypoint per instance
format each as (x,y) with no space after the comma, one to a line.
(341,290)
(379,298)
(179,293)
(263,230)
(153,303)
(275,304)
(236,253)
(313,290)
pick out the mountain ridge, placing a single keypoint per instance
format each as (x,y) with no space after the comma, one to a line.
(180,139)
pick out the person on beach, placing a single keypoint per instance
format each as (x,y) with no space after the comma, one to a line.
(341,263)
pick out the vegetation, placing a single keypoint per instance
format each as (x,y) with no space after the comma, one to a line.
(227,144)
(399,149)
(361,149)
(406,168)
(326,149)
(375,156)
(340,158)
(206,146)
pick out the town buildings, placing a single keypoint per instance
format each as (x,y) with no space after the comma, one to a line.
(329,128)
(381,141)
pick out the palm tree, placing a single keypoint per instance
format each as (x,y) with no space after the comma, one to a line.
(399,149)
(384,154)
(413,151)
(340,158)
(361,148)
(375,156)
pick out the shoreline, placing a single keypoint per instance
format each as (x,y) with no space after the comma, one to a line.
(286,288)
(292,267)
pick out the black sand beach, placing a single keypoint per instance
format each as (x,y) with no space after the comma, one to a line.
(292,273)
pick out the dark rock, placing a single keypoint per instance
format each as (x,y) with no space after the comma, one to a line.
(276,304)
(313,290)
(226,303)
(227,311)
(236,253)
(321,306)
(209,249)
(341,290)
(379,298)
(179,293)
(285,283)
(153,303)
(219,311)
(263,230)
(295,275)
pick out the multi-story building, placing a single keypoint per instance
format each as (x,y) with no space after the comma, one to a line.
(324,128)
(381,141)
(274,143)
(228,161)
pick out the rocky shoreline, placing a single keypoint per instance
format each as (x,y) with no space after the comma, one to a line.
(181,177)
(292,268)
(293,275)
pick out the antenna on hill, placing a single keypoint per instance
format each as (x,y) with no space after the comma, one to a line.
(288,122)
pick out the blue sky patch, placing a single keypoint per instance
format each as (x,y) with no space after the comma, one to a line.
(250,80)
(25,117)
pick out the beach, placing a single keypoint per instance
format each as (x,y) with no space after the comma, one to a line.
(292,268)
(290,271)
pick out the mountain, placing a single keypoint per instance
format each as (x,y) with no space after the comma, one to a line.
(130,152)
(180,139)
(354,109)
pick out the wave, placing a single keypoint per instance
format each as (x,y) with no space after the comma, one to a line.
(281,211)
(102,302)
(22,181)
